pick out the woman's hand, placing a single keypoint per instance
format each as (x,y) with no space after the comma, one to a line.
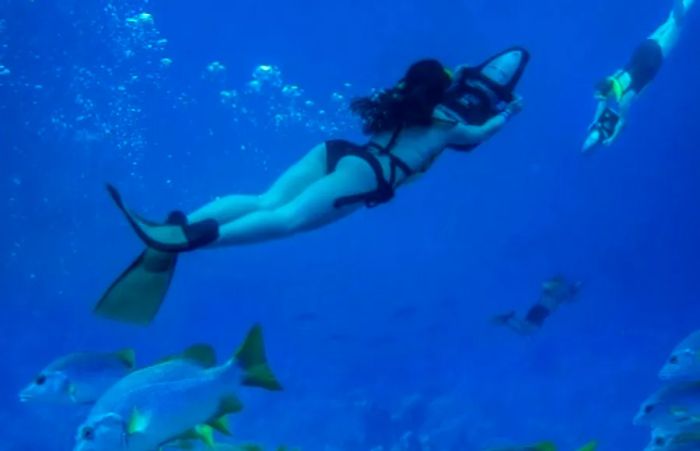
(513,108)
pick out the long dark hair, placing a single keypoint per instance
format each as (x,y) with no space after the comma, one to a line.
(410,103)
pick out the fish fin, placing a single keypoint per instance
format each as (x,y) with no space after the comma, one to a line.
(128,357)
(590,446)
(72,391)
(221,424)
(544,446)
(250,356)
(228,404)
(202,354)
(678,411)
(251,447)
(186,442)
(138,422)
(205,433)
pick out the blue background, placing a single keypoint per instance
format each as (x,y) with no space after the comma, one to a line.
(391,303)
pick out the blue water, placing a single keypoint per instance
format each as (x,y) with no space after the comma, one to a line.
(388,307)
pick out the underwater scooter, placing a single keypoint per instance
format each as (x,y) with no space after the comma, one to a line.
(603,128)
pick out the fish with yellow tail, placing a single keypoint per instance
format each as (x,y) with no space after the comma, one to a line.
(545,446)
(158,404)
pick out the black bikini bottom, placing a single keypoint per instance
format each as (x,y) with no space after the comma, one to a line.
(336,150)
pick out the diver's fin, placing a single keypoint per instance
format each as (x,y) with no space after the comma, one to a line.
(127,356)
(137,294)
(251,358)
(221,424)
(173,236)
(590,446)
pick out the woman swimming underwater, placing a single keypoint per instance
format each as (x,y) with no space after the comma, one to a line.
(410,125)
(615,94)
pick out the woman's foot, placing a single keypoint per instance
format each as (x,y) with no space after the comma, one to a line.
(176,235)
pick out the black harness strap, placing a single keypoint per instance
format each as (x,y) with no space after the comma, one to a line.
(385,188)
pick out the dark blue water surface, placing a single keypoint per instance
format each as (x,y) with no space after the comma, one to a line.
(385,314)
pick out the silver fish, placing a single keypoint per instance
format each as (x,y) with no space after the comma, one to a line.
(158,404)
(684,361)
(674,441)
(79,378)
(675,407)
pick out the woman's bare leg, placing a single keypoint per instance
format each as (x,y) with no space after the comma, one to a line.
(310,210)
(308,170)
(667,34)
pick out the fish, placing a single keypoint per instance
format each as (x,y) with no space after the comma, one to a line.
(226,447)
(158,404)
(684,361)
(545,446)
(79,378)
(675,407)
(674,441)
(542,446)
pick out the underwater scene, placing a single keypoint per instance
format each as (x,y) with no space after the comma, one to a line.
(446,225)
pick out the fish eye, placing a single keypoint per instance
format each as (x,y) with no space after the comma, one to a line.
(673,360)
(659,441)
(648,409)
(40,379)
(88,433)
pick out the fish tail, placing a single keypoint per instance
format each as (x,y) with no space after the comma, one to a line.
(590,446)
(251,358)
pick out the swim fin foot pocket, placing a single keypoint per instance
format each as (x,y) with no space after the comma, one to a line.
(176,235)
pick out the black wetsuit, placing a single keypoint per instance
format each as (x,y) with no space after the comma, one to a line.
(644,64)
